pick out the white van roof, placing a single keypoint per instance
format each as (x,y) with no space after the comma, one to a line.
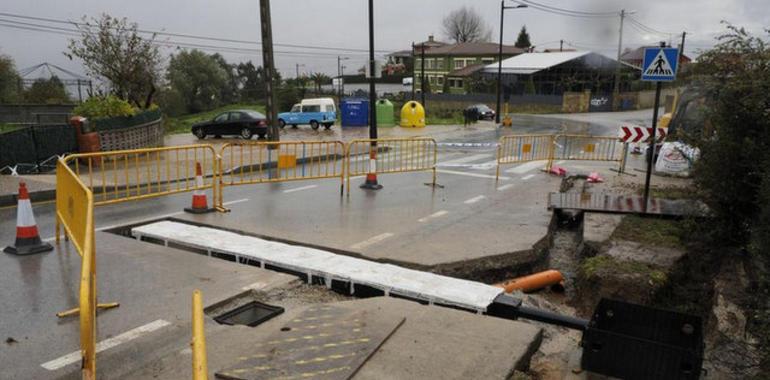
(318,101)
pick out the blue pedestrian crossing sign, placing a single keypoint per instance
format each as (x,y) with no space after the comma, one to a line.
(660,64)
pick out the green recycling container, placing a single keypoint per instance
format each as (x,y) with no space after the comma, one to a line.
(385,116)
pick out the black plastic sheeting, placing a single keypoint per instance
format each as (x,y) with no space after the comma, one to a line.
(29,147)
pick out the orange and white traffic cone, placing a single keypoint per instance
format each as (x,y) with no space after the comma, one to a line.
(199,203)
(371,176)
(27,237)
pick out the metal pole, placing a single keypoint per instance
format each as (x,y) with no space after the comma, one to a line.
(371,176)
(339,77)
(616,91)
(681,49)
(561,45)
(422,76)
(414,67)
(372,90)
(652,146)
(269,64)
(500,64)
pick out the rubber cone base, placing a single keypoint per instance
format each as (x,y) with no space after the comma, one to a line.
(198,210)
(28,250)
(371,183)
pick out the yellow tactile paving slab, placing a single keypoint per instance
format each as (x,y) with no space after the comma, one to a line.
(321,343)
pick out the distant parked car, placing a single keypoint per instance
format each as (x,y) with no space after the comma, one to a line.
(243,123)
(482,110)
(315,112)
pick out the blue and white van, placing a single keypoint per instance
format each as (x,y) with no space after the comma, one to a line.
(315,112)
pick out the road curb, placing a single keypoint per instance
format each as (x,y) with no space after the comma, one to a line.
(35,196)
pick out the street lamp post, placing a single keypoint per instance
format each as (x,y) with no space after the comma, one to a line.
(339,74)
(500,58)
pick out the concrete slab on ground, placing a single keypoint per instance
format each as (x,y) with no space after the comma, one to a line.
(406,222)
(153,284)
(432,343)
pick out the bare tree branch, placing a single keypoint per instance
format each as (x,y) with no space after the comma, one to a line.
(466,25)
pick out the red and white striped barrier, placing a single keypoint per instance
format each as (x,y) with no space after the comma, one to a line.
(635,134)
(27,237)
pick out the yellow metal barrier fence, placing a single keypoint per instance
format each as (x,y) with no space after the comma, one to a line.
(121,176)
(523,148)
(75,211)
(200,369)
(587,148)
(393,156)
(259,162)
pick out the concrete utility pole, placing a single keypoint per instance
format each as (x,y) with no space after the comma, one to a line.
(681,49)
(561,45)
(269,65)
(616,91)
(498,110)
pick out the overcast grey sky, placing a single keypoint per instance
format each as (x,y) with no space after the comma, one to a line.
(343,23)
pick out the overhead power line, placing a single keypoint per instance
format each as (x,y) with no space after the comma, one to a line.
(198,37)
(167,43)
(566,12)
(592,14)
(649,29)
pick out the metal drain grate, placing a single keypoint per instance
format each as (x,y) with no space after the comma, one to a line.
(250,314)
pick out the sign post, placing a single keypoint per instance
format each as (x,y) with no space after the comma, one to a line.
(659,65)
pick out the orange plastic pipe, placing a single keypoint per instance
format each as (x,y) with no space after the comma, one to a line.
(532,282)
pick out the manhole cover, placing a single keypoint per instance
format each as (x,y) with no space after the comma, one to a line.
(250,314)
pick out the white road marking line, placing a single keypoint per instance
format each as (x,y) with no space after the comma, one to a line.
(74,357)
(463,160)
(526,177)
(471,174)
(505,187)
(485,166)
(523,168)
(436,214)
(111,226)
(474,200)
(300,189)
(372,240)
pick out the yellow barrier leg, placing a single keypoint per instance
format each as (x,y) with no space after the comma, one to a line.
(198,344)
(76,311)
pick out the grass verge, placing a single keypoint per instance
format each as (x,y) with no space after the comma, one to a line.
(182,124)
(651,231)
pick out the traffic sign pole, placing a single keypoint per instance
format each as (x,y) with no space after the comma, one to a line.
(652,146)
(659,65)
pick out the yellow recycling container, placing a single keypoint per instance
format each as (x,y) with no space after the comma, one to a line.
(412,115)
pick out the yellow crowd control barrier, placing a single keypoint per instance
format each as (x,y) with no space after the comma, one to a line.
(393,156)
(75,212)
(126,175)
(523,148)
(259,162)
(587,148)
(200,369)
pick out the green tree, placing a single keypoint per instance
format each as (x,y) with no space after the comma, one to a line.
(319,79)
(198,78)
(49,91)
(113,50)
(732,174)
(9,80)
(251,80)
(230,93)
(522,41)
